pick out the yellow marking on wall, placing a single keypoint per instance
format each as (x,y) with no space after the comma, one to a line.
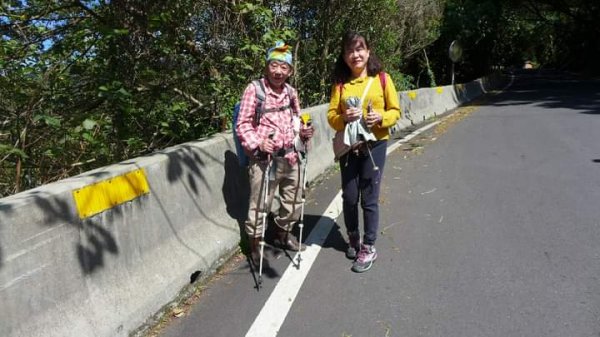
(412,94)
(439,90)
(106,194)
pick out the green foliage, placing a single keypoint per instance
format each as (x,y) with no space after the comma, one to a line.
(88,83)
(506,33)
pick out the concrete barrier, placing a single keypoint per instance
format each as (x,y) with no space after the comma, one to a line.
(64,274)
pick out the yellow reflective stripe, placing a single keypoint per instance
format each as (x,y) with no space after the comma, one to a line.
(106,194)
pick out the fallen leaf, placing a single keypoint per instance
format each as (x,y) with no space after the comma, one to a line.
(178,312)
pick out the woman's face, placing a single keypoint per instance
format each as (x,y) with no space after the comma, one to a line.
(356,56)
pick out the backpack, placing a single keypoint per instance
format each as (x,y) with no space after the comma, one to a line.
(243,159)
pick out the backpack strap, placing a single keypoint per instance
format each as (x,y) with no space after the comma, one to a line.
(261,98)
(292,97)
(259,90)
(383,81)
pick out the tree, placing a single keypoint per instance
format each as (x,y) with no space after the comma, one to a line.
(551,33)
(89,83)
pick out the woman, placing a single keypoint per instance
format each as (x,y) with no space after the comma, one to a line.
(355,70)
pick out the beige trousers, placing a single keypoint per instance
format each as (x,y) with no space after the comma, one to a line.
(288,182)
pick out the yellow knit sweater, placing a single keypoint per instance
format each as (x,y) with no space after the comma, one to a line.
(389,111)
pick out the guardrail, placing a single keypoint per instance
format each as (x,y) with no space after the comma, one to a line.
(99,253)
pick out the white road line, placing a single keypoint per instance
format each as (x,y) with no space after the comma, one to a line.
(23,277)
(412,135)
(271,317)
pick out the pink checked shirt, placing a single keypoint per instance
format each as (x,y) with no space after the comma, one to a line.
(281,123)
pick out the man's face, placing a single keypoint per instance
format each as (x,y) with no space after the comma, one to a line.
(278,72)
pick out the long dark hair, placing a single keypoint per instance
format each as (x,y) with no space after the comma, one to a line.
(341,72)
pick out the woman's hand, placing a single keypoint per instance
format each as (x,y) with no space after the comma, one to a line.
(352,114)
(373,118)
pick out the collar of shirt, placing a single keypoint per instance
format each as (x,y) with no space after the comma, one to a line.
(280,121)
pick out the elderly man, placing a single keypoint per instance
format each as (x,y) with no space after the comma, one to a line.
(271,132)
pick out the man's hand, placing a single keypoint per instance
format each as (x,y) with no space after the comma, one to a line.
(267,145)
(306,132)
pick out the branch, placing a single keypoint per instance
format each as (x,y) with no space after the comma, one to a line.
(41,12)
(189,97)
(88,10)
(80,56)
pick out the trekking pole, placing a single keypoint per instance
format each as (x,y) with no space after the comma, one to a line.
(264,215)
(375,167)
(301,223)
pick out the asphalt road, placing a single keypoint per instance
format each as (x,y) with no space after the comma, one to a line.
(490,226)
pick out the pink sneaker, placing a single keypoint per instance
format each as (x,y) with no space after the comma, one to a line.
(364,261)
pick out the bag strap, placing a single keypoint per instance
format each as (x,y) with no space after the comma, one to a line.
(382,81)
(362,99)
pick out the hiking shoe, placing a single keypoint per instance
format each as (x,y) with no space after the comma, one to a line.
(286,240)
(365,258)
(353,245)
